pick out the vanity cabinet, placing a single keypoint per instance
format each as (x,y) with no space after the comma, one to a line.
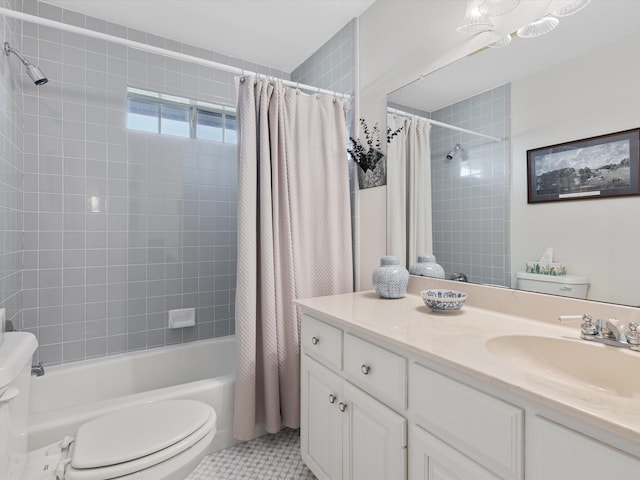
(375,410)
(556,451)
(345,433)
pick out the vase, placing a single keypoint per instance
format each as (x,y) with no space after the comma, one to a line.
(427,267)
(374,177)
(390,279)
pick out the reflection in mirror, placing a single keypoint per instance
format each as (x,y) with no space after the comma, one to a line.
(576,82)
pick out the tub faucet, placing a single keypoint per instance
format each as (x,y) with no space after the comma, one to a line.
(458,277)
(37,370)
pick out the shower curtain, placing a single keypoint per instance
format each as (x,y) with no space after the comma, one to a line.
(409,228)
(294,239)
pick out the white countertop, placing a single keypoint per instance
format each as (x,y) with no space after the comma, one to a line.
(458,340)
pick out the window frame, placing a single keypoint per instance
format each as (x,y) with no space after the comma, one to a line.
(162,100)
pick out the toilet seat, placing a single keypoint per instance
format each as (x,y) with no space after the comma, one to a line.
(138,438)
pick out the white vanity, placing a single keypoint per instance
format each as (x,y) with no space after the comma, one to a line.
(393,391)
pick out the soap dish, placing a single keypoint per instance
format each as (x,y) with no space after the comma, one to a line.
(440,300)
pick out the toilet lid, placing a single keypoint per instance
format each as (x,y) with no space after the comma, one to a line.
(137,431)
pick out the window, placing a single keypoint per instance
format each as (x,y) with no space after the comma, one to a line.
(209,125)
(169,115)
(142,115)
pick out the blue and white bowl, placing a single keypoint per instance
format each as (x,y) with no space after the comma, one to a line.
(443,300)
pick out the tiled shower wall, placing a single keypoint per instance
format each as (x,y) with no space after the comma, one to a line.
(96,284)
(11,161)
(470,193)
(332,66)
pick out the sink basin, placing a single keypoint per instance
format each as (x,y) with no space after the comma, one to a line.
(571,361)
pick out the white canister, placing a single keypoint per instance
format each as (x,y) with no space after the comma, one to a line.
(390,279)
(427,267)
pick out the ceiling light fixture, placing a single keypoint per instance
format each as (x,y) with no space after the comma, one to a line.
(503,42)
(495,8)
(539,27)
(474,20)
(570,8)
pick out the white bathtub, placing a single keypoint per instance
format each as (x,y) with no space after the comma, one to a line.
(69,395)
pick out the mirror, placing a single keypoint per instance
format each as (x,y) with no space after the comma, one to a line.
(578,81)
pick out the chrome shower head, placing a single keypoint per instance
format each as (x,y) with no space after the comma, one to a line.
(34,72)
(453,152)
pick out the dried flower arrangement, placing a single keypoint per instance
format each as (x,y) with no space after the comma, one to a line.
(367,154)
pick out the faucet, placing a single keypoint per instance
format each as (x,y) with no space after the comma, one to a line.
(37,370)
(458,277)
(608,331)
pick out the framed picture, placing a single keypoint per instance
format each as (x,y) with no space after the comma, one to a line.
(598,167)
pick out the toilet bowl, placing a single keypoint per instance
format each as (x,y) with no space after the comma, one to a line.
(163,440)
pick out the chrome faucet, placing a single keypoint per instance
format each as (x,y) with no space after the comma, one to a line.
(608,331)
(37,370)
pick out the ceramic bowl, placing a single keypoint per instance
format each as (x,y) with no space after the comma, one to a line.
(443,300)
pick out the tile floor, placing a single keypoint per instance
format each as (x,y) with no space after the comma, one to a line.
(270,457)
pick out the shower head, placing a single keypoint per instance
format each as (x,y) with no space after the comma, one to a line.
(453,152)
(34,72)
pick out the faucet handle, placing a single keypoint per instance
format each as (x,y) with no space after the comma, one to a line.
(568,318)
(587,328)
(633,337)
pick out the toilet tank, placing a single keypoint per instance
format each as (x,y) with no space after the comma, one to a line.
(16,354)
(564,285)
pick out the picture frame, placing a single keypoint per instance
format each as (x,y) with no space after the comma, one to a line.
(605,166)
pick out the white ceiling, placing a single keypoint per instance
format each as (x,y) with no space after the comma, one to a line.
(601,23)
(280,34)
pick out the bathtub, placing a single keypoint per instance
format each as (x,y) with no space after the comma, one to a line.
(69,395)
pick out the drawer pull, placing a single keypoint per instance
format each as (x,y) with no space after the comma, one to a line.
(342,406)
(315,340)
(365,369)
(332,398)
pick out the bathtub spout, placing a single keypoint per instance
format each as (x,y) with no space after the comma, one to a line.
(37,370)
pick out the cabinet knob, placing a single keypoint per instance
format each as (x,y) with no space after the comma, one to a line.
(332,398)
(342,406)
(315,340)
(365,369)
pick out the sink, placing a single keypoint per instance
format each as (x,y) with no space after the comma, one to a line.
(571,361)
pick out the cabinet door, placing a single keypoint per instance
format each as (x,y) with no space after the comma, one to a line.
(376,439)
(431,459)
(321,421)
(558,452)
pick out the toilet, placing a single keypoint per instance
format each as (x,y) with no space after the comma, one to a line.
(163,440)
(565,285)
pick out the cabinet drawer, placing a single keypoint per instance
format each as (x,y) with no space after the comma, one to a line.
(484,428)
(322,342)
(376,370)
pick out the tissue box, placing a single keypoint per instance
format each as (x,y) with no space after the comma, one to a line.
(546,268)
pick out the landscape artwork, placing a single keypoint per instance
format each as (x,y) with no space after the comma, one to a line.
(596,167)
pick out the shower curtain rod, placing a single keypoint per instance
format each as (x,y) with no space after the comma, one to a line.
(157,50)
(442,124)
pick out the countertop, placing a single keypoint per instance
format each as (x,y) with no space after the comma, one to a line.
(458,340)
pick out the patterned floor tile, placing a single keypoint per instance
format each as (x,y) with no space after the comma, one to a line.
(270,457)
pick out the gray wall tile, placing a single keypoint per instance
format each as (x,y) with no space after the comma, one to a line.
(95,284)
(101,283)
(470,193)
